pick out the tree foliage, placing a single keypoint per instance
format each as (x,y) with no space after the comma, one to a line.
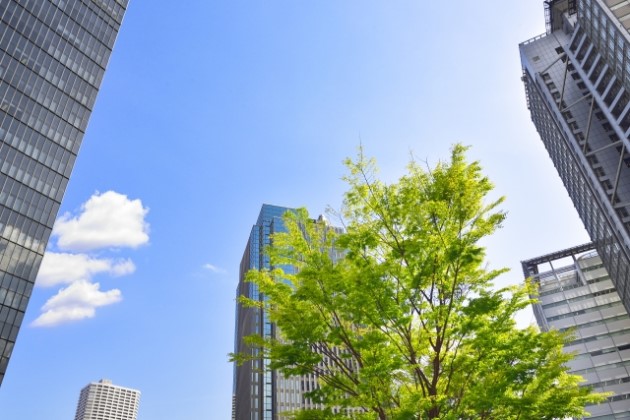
(398,316)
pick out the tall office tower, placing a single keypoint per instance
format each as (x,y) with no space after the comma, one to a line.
(577,80)
(261,393)
(53,55)
(104,401)
(576,293)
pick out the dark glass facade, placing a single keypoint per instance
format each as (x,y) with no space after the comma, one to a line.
(261,393)
(254,385)
(53,55)
(577,81)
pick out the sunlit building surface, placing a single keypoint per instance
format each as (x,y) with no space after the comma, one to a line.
(577,294)
(104,401)
(577,80)
(53,55)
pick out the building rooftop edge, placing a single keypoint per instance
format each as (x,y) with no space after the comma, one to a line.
(110,384)
(560,254)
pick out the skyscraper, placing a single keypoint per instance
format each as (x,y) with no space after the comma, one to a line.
(104,401)
(261,393)
(53,55)
(577,82)
(576,293)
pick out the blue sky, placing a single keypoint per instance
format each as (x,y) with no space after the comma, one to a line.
(211,108)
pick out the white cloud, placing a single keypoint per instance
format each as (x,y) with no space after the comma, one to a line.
(122,268)
(213,268)
(75,302)
(107,220)
(63,268)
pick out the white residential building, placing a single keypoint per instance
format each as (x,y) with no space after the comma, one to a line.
(104,401)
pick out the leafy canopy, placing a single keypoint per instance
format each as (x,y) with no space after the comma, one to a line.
(398,317)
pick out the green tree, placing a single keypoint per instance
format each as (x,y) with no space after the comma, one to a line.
(404,323)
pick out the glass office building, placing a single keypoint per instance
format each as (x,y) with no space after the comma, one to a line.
(577,294)
(577,81)
(261,393)
(53,55)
